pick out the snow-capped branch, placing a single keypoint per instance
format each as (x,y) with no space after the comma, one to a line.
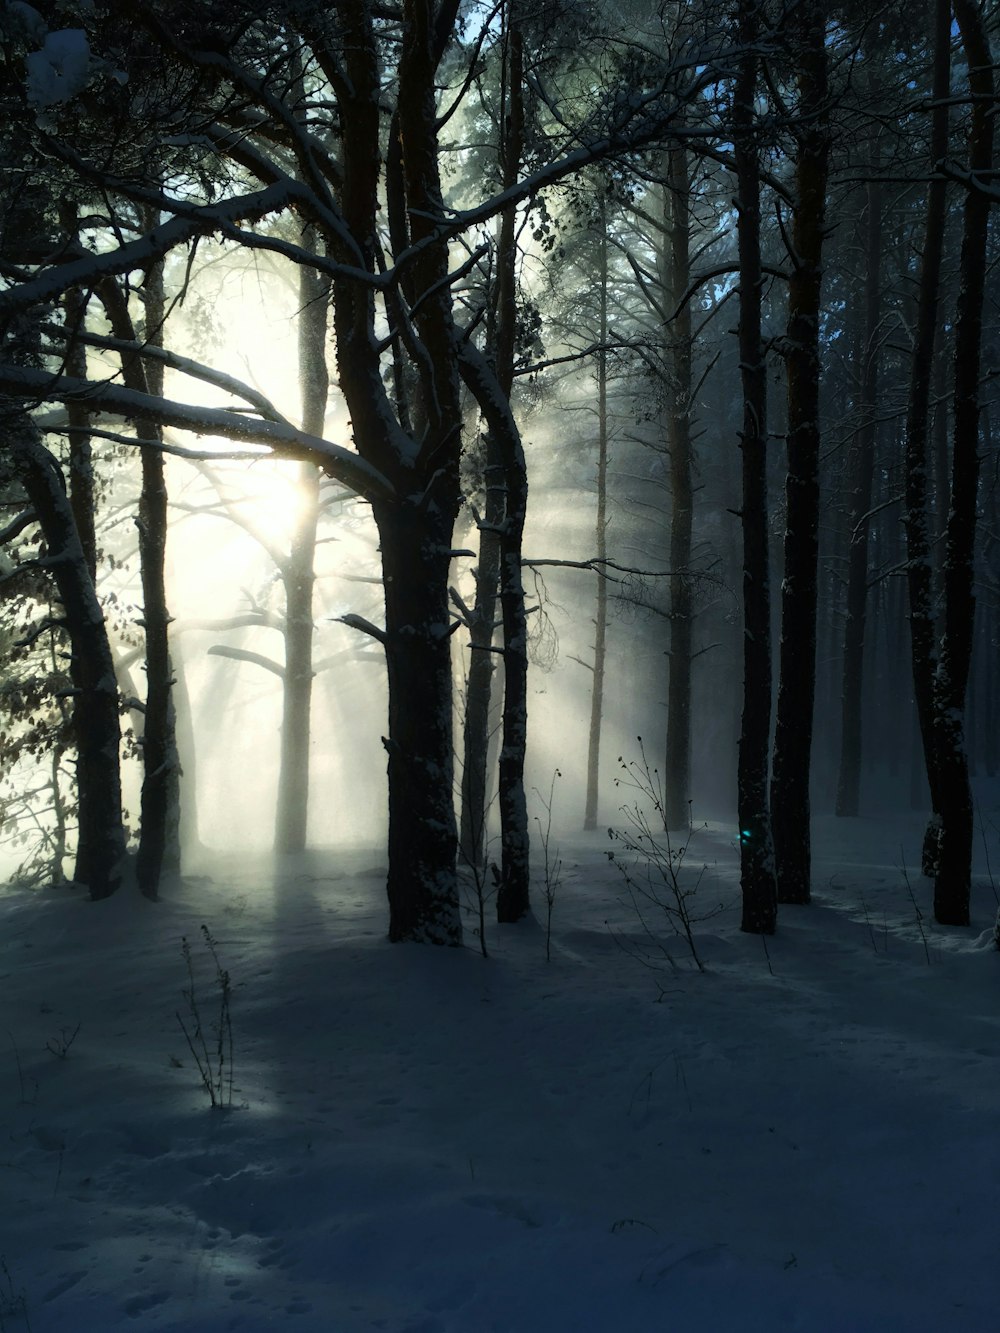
(282,439)
(245,655)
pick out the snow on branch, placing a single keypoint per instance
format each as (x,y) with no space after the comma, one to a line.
(282,439)
(186,366)
(188,220)
(365,626)
(599,565)
(17,526)
(244,655)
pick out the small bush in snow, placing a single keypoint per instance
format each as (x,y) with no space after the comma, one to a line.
(214,1059)
(653,867)
(552,862)
(13,1300)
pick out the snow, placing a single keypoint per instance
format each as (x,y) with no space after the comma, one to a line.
(426,1141)
(60,70)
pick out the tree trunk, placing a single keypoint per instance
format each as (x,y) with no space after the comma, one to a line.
(480,677)
(919,571)
(101,840)
(790,808)
(757,872)
(677,769)
(160,784)
(420,460)
(513,898)
(954,862)
(422,889)
(298,581)
(513,890)
(159,838)
(862,464)
(600,533)
(298,576)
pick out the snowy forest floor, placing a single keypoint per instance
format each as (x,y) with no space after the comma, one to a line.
(426,1141)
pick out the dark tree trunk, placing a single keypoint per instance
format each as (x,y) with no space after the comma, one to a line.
(159,839)
(513,890)
(757,873)
(954,861)
(513,900)
(513,896)
(415,446)
(422,889)
(160,784)
(790,806)
(101,840)
(862,465)
(81,466)
(677,770)
(480,677)
(600,533)
(919,571)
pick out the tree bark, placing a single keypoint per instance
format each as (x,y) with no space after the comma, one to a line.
(513,890)
(757,871)
(677,769)
(862,465)
(422,890)
(919,569)
(420,460)
(790,806)
(298,576)
(480,678)
(101,839)
(600,531)
(159,840)
(160,784)
(952,882)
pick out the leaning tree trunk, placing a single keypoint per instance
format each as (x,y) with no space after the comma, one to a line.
(862,470)
(677,769)
(919,568)
(790,808)
(757,872)
(954,861)
(101,840)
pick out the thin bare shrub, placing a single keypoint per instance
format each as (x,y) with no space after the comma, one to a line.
(661,888)
(212,1049)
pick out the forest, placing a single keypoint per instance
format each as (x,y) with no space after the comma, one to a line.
(513,476)
(371,372)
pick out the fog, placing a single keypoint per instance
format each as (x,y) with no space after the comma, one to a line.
(232,516)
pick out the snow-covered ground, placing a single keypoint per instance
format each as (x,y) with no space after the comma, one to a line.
(427,1141)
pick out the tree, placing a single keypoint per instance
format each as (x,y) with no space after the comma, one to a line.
(757,869)
(360,164)
(955,807)
(97,733)
(677,766)
(862,467)
(790,806)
